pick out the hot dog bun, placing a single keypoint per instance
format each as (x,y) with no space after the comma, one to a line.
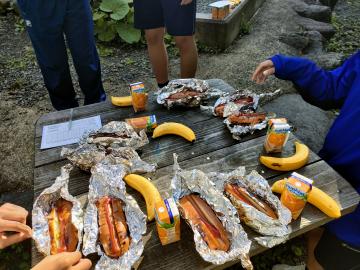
(200,214)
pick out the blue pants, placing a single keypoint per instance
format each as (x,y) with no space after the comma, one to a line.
(48,23)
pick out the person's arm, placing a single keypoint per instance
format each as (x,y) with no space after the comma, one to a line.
(325,89)
(13,228)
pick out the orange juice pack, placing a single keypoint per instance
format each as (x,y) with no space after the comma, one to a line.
(277,135)
(295,194)
(139,96)
(145,122)
(167,221)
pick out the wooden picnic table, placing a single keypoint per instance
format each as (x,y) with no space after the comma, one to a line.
(214,150)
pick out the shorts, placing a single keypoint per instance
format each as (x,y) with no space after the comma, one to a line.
(178,20)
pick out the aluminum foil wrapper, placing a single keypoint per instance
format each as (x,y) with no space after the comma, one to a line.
(85,156)
(238,131)
(195,181)
(232,107)
(117,132)
(255,219)
(180,85)
(107,180)
(43,205)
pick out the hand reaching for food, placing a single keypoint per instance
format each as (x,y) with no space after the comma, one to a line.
(13,228)
(263,71)
(64,261)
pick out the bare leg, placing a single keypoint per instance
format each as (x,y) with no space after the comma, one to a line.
(157,53)
(188,55)
(313,238)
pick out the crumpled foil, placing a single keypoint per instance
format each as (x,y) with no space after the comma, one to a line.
(238,131)
(255,219)
(179,85)
(85,156)
(117,132)
(43,205)
(107,180)
(231,107)
(195,181)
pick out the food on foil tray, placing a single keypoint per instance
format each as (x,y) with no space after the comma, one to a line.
(174,129)
(316,197)
(295,194)
(294,162)
(248,118)
(236,192)
(147,190)
(277,135)
(183,92)
(235,102)
(113,230)
(118,132)
(199,213)
(63,233)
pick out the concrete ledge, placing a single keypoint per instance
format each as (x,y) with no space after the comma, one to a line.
(221,33)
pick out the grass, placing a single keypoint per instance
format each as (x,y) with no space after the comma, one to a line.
(16,257)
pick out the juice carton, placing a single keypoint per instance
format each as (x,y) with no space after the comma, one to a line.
(139,96)
(145,122)
(167,221)
(294,196)
(277,135)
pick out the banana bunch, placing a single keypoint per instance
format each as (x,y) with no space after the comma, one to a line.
(121,101)
(174,129)
(316,197)
(298,160)
(147,190)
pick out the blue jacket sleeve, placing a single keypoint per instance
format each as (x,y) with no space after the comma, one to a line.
(325,89)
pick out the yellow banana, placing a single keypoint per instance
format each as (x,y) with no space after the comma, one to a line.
(316,197)
(298,160)
(147,190)
(122,101)
(175,129)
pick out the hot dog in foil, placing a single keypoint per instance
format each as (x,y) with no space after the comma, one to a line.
(186,92)
(218,235)
(114,225)
(57,218)
(257,206)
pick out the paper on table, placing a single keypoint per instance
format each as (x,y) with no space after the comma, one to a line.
(60,134)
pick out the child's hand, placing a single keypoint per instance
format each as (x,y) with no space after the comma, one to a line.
(185,2)
(263,71)
(64,261)
(13,219)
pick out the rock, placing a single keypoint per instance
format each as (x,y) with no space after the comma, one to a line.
(311,123)
(330,3)
(288,267)
(296,40)
(326,29)
(316,12)
(316,41)
(328,61)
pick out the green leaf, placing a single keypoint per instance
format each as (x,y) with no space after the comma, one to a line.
(107,35)
(117,8)
(128,33)
(98,15)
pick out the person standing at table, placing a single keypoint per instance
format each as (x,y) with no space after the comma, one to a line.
(48,21)
(338,247)
(176,17)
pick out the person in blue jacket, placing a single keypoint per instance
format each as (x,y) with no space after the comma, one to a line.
(336,89)
(47,22)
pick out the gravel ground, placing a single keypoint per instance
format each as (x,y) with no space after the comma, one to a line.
(203,6)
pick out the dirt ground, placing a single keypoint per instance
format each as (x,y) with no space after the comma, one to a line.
(23,97)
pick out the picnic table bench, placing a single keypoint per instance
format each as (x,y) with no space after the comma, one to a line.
(214,150)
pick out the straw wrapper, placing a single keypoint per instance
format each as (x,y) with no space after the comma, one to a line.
(107,180)
(195,181)
(43,205)
(275,231)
